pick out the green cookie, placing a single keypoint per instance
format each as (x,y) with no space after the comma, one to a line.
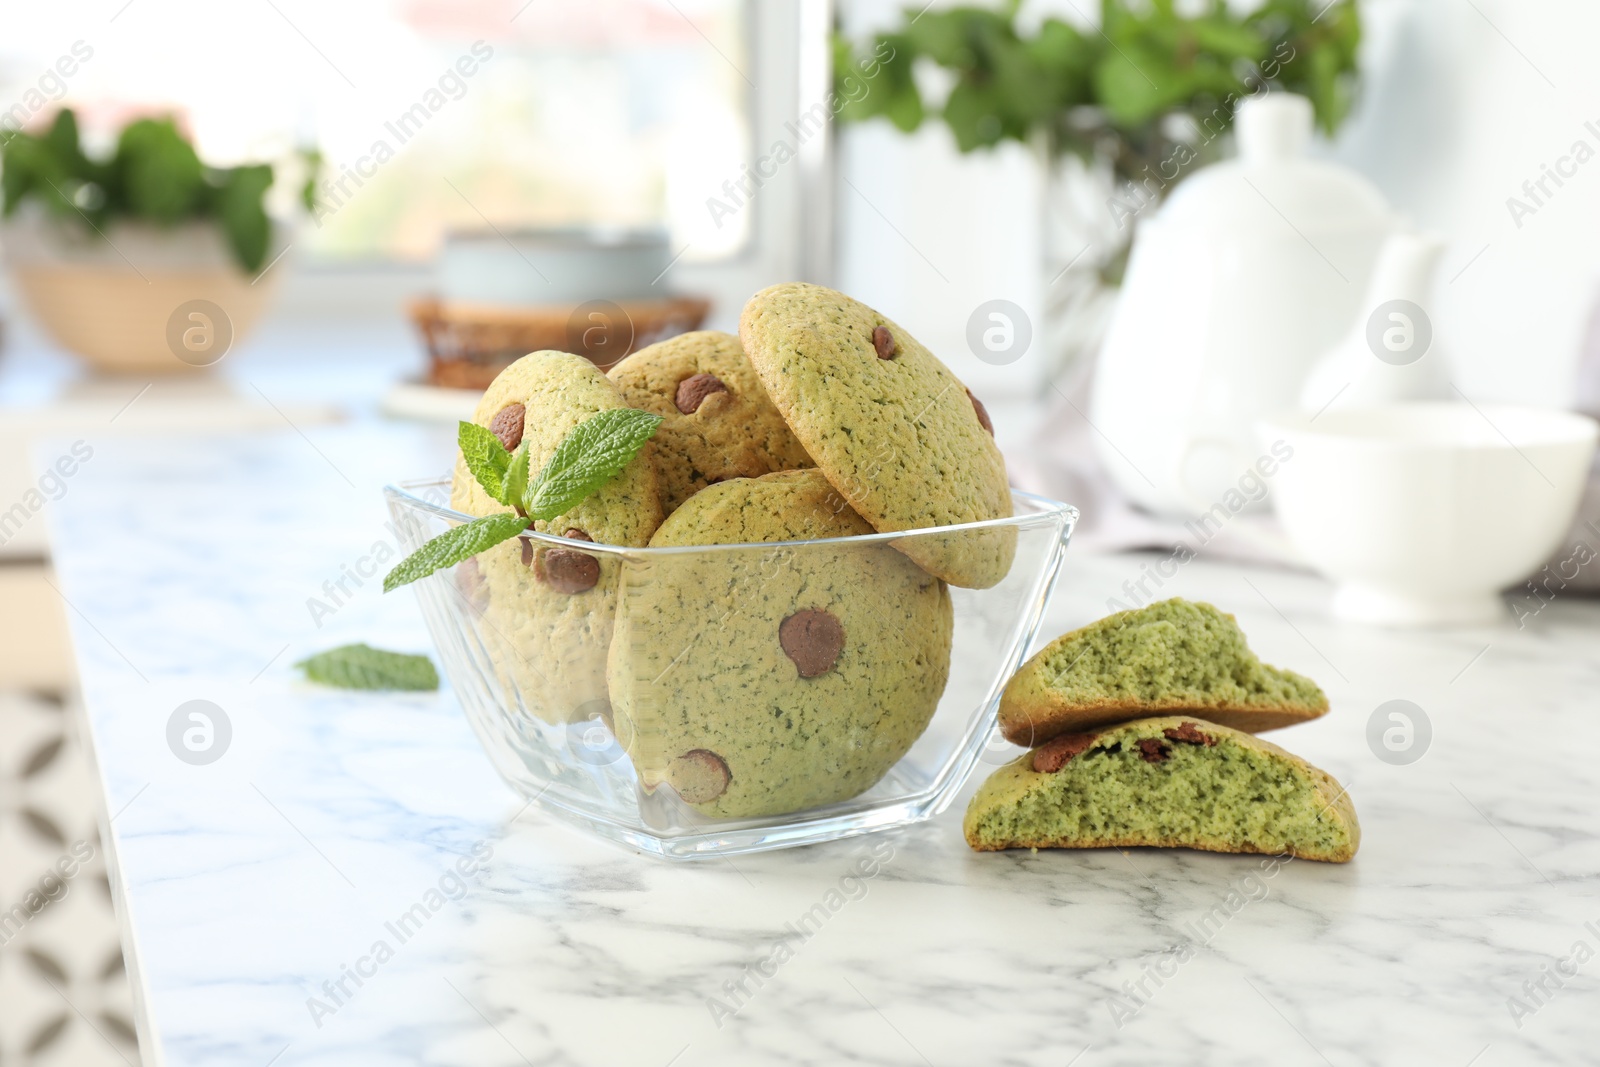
(763,680)
(547,613)
(1172,782)
(896,433)
(1171,656)
(717,420)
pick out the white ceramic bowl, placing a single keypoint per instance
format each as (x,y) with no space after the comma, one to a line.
(1423,512)
(557,266)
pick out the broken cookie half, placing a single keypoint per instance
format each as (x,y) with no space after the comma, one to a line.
(1170,782)
(1170,657)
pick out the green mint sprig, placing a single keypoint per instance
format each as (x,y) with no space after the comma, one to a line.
(590,456)
(364,667)
(453,546)
(515,484)
(485,457)
(586,459)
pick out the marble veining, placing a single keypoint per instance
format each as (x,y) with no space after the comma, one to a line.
(255,892)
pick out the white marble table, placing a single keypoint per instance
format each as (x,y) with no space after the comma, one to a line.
(248,886)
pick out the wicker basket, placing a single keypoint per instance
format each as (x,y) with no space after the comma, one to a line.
(468,344)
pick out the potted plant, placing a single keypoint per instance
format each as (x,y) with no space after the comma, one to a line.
(1117,114)
(145,260)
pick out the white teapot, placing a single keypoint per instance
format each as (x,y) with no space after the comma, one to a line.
(1387,355)
(1252,269)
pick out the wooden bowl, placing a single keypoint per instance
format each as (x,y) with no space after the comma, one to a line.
(469,344)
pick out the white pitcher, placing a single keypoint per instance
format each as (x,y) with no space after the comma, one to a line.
(1251,270)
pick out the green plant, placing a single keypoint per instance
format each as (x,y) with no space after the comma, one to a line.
(1110,92)
(153,175)
(586,459)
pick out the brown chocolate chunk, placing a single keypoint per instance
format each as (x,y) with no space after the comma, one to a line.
(572,534)
(507,425)
(1152,751)
(693,390)
(566,570)
(699,775)
(470,582)
(1189,734)
(813,639)
(1055,754)
(883,343)
(983,413)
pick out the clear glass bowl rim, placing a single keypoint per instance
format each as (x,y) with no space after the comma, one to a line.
(1046,511)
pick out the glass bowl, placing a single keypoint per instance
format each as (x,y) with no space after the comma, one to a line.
(765,695)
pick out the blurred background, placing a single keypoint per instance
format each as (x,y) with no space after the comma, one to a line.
(278,214)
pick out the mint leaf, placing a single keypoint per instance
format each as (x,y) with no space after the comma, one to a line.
(486,458)
(514,486)
(453,546)
(589,457)
(364,667)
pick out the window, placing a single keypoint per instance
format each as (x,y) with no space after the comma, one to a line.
(430,114)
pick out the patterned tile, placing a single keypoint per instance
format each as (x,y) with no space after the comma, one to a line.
(64,996)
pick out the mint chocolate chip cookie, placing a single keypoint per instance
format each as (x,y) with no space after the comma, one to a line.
(538,401)
(768,679)
(547,611)
(1175,655)
(717,420)
(1167,782)
(896,432)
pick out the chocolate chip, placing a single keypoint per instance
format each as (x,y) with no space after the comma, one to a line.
(883,343)
(507,425)
(566,570)
(572,534)
(813,639)
(1152,751)
(693,390)
(1189,734)
(983,413)
(1054,755)
(699,775)
(469,580)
